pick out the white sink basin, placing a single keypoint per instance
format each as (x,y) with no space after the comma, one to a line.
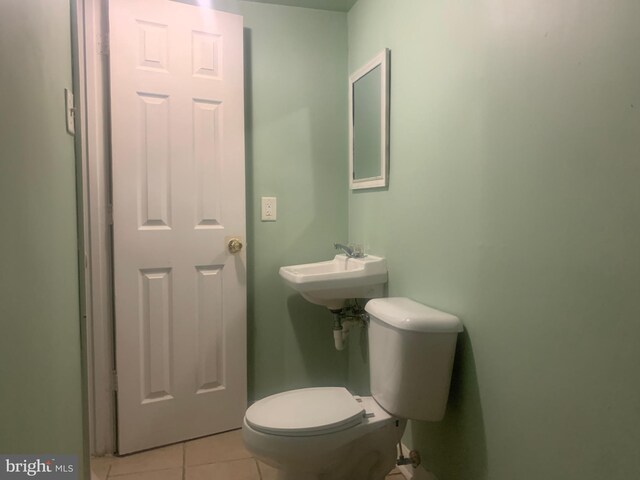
(333,282)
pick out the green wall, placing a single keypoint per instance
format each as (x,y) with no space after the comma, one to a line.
(40,359)
(297,139)
(296,147)
(514,202)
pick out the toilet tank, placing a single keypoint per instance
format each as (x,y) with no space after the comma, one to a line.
(411,351)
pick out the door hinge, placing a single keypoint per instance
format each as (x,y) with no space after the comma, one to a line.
(114,381)
(103,44)
(109,214)
(70,111)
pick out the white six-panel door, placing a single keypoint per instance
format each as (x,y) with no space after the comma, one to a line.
(176,75)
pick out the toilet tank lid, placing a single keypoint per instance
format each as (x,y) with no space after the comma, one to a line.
(406,314)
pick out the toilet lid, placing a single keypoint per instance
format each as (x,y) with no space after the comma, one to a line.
(305,412)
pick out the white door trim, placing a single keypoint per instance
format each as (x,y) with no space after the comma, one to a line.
(93,74)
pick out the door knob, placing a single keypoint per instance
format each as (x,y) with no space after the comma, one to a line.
(234,245)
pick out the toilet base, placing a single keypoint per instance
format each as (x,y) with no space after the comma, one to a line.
(370,457)
(302,476)
(369,466)
(378,474)
(362,452)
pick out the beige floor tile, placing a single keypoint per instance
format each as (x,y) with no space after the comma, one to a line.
(170,474)
(216,448)
(100,466)
(245,469)
(267,472)
(157,459)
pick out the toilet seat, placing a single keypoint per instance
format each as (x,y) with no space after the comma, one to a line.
(306,412)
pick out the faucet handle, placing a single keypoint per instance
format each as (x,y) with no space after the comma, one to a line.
(357,250)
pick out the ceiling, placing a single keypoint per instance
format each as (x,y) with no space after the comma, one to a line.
(335,5)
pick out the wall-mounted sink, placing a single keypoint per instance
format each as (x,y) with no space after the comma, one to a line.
(333,282)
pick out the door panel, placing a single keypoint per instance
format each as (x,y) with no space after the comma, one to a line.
(178,196)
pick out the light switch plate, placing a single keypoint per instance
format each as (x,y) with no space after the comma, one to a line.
(269,209)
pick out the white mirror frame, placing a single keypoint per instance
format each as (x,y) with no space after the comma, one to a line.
(382,60)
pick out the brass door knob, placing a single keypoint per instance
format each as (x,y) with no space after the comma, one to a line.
(234,245)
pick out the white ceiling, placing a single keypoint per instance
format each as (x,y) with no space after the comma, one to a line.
(336,5)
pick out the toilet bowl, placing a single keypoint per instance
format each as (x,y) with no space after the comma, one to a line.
(326,433)
(323,433)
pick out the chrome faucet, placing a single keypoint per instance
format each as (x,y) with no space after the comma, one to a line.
(348,251)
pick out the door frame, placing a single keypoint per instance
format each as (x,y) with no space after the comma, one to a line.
(93,110)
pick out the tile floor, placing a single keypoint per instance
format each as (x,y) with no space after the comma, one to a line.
(218,457)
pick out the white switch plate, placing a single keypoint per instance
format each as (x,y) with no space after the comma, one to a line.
(269,209)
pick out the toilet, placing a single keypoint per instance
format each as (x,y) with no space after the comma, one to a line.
(326,433)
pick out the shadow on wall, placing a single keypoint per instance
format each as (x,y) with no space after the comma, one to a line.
(313,328)
(250,210)
(455,449)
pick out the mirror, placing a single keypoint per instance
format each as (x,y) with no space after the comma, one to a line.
(369,124)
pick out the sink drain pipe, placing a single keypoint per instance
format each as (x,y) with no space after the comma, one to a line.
(343,321)
(341,332)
